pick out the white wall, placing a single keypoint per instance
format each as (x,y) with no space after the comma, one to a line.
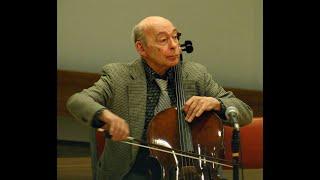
(226,34)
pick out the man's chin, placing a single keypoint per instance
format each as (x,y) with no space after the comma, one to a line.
(173,62)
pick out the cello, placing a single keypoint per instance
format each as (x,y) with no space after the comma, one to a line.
(202,138)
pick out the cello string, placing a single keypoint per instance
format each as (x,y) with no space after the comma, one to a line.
(180,112)
(187,138)
(186,132)
(178,105)
(180,115)
(205,163)
(186,135)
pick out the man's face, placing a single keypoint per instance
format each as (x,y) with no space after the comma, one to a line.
(162,47)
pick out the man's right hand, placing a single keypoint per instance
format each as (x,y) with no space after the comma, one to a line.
(117,127)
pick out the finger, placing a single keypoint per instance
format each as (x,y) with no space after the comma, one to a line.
(114,137)
(106,127)
(127,131)
(196,109)
(117,133)
(124,136)
(111,129)
(200,111)
(117,126)
(191,109)
(123,131)
(188,103)
(186,108)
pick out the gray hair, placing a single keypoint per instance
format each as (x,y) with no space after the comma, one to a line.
(138,34)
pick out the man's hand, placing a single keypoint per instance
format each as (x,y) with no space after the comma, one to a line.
(117,127)
(196,105)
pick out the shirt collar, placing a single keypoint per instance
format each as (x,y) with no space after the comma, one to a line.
(151,74)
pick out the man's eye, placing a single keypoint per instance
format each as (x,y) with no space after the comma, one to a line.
(163,40)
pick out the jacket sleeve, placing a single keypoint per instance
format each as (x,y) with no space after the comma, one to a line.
(213,89)
(84,105)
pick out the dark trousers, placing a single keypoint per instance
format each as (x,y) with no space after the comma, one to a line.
(140,168)
(136,176)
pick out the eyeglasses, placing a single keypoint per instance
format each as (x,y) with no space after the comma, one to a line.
(163,39)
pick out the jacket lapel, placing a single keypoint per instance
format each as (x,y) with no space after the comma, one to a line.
(189,84)
(189,88)
(137,91)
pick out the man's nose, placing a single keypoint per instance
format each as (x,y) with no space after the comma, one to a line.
(173,43)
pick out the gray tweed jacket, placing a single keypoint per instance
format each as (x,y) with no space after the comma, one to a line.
(122,89)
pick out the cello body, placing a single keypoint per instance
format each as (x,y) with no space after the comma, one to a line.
(207,139)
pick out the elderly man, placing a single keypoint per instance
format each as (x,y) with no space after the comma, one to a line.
(125,98)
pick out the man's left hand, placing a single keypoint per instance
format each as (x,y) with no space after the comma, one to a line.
(196,105)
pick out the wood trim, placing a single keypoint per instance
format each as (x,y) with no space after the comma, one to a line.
(70,82)
(253,98)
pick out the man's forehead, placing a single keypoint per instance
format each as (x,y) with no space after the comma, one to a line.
(158,26)
(155,20)
(160,30)
(166,32)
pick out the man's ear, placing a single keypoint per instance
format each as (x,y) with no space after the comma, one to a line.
(140,48)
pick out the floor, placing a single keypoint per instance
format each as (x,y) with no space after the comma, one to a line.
(74,168)
(73,149)
(73,161)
